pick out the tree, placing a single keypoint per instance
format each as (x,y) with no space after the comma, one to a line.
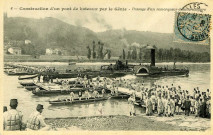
(93,50)
(109,54)
(140,54)
(129,55)
(101,51)
(124,54)
(134,54)
(89,52)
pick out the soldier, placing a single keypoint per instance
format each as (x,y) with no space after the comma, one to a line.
(160,106)
(153,100)
(95,94)
(36,121)
(72,95)
(172,106)
(131,101)
(148,106)
(80,94)
(4,109)
(208,104)
(197,107)
(187,106)
(103,92)
(12,119)
(87,95)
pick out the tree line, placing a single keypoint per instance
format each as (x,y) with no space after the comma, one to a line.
(97,51)
(165,55)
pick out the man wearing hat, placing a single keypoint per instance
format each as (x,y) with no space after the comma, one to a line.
(4,109)
(12,118)
(36,121)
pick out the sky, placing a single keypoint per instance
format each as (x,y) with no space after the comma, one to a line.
(99,21)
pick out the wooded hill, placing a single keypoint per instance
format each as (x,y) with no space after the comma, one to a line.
(53,33)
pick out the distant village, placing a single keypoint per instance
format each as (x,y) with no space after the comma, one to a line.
(14,49)
(11,48)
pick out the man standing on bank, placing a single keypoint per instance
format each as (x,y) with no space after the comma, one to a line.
(36,120)
(187,106)
(12,119)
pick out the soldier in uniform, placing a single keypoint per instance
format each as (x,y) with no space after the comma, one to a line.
(36,120)
(187,106)
(12,119)
(160,106)
(4,109)
(131,101)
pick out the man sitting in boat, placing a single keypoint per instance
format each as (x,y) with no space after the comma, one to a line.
(72,95)
(79,94)
(95,94)
(112,91)
(103,92)
(87,95)
(37,90)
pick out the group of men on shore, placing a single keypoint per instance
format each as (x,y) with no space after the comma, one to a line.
(170,101)
(163,100)
(13,119)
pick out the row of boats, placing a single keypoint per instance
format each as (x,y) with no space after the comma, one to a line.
(57,88)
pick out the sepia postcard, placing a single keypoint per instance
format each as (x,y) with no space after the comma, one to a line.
(115,66)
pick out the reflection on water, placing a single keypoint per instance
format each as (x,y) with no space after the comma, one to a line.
(199,77)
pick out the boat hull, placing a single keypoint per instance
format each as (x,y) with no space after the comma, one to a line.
(63,92)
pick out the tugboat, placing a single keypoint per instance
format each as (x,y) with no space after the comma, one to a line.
(152,70)
(119,69)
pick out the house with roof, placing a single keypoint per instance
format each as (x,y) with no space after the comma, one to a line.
(14,50)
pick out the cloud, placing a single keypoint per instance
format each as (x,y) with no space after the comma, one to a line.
(81,21)
(101,21)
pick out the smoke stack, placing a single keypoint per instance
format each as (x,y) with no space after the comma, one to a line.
(152,57)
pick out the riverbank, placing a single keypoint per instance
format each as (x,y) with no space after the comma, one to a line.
(137,123)
(77,59)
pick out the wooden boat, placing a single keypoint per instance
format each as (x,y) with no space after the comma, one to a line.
(30,88)
(11,73)
(27,83)
(52,92)
(27,77)
(119,96)
(9,67)
(76,100)
(72,63)
(44,92)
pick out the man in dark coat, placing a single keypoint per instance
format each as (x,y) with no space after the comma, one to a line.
(203,108)
(187,106)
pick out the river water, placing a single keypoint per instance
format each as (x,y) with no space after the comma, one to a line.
(199,76)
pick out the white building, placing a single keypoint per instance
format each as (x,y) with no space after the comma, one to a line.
(50,51)
(14,50)
(26,42)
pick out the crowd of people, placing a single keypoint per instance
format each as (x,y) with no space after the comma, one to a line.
(162,100)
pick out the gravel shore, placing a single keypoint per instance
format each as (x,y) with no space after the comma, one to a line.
(120,122)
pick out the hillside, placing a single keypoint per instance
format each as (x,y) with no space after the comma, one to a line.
(123,38)
(50,32)
(54,33)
